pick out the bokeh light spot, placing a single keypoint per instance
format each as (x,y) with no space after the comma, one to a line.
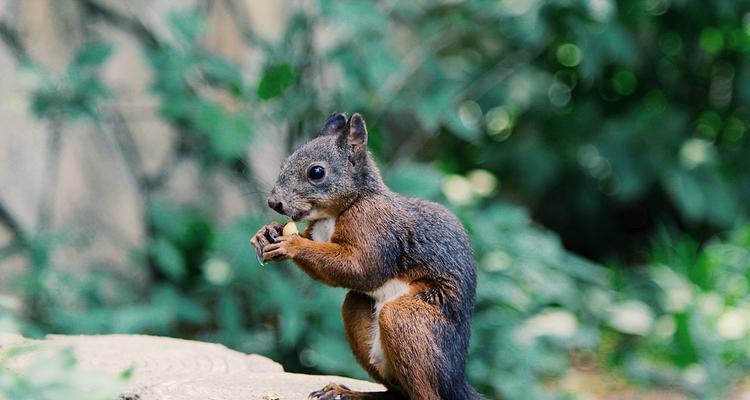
(665,326)
(624,82)
(496,260)
(695,374)
(559,94)
(483,183)
(671,44)
(734,129)
(500,123)
(656,7)
(656,101)
(633,317)
(695,152)
(217,271)
(470,113)
(709,123)
(569,55)
(457,189)
(733,324)
(711,40)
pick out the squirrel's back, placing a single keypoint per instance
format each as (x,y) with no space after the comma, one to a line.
(438,239)
(430,242)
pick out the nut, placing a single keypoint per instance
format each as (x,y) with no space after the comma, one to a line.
(290,229)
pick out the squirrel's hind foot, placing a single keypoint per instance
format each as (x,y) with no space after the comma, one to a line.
(334,391)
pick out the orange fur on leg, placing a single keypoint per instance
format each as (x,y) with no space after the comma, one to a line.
(407,335)
(358,323)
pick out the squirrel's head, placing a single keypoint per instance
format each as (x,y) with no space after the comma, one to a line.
(327,174)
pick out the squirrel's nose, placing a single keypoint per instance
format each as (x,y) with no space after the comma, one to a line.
(276,205)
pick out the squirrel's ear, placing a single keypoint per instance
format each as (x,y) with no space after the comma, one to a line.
(335,124)
(357,131)
(355,139)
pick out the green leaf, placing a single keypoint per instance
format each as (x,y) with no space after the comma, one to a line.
(188,25)
(275,79)
(221,72)
(207,116)
(92,54)
(127,374)
(169,259)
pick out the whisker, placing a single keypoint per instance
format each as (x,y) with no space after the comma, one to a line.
(251,192)
(252,179)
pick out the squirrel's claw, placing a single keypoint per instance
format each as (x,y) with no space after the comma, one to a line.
(282,249)
(332,391)
(274,252)
(266,236)
(258,244)
(258,249)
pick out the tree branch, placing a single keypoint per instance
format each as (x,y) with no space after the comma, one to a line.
(10,222)
(242,19)
(7,219)
(131,25)
(12,39)
(54,143)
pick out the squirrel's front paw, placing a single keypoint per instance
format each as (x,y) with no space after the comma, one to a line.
(284,248)
(266,236)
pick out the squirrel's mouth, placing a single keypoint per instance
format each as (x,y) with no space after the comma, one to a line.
(313,214)
(297,217)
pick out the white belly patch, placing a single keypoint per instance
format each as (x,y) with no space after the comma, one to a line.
(323,230)
(391,290)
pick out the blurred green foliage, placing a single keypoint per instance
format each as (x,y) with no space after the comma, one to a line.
(76,91)
(180,68)
(698,303)
(608,122)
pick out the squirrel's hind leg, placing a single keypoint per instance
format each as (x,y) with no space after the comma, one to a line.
(421,351)
(359,323)
(357,313)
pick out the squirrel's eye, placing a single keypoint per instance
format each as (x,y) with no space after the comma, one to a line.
(316,172)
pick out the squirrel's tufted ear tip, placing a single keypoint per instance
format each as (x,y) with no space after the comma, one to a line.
(357,130)
(335,124)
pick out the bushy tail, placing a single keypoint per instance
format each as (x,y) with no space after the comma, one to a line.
(467,392)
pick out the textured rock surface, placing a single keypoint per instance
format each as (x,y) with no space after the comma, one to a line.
(166,368)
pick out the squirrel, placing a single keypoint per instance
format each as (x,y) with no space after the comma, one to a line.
(407,263)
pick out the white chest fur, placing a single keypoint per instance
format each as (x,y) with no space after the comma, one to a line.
(323,230)
(391,290)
